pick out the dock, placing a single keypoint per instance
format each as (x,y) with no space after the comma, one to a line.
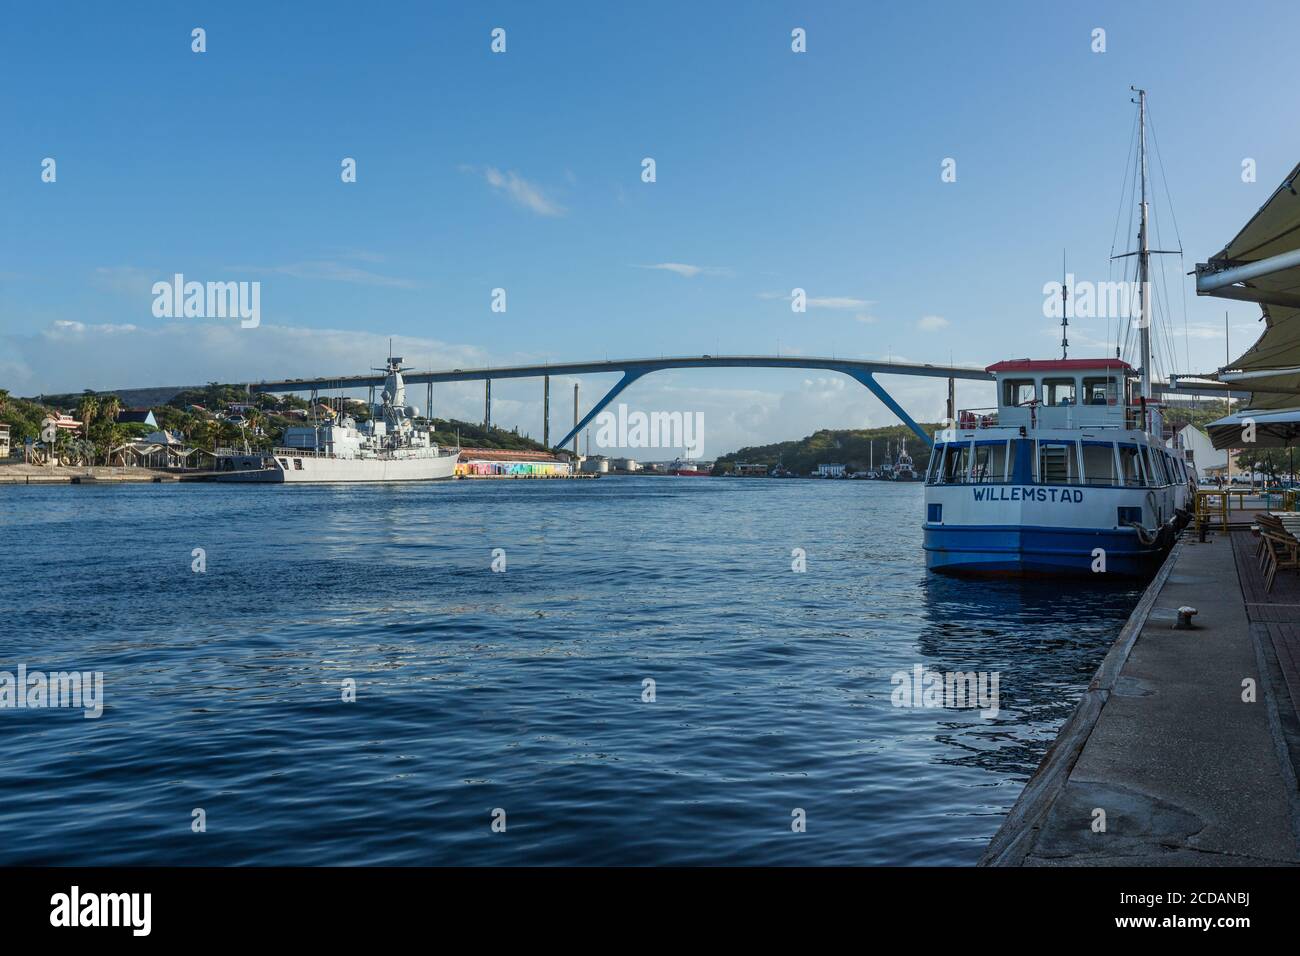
(1182,751)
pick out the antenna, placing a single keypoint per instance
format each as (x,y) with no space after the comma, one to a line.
(1065,320)
(1144,253)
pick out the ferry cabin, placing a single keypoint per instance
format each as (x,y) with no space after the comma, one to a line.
(1066,475)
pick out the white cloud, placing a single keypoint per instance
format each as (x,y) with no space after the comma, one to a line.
(520,191)
(688,270)
(327,270)
(841,303)
(932,323)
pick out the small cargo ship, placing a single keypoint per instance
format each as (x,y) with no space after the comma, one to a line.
(390,446)
(688,469)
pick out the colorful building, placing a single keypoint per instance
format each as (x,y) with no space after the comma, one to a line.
(499,463)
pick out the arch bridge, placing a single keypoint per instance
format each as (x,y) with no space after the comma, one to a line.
(863,372)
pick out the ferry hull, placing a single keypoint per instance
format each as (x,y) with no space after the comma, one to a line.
(1030,551)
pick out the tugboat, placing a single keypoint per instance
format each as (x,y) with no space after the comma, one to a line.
(904,468)
(1070,474)
(388,447)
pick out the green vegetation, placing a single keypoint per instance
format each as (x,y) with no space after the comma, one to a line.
(22,416)
(850,447)
(477,436)
(193,413)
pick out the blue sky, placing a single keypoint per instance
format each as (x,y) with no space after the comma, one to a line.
(522,170)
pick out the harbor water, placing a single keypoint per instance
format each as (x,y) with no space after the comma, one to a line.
(645,677)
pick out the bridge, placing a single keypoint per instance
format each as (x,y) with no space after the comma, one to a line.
(633,369)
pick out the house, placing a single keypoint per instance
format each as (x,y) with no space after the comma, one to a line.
(1210,462)
(137,416)
(4,440)
(830,471)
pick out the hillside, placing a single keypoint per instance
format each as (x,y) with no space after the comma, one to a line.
(852,447)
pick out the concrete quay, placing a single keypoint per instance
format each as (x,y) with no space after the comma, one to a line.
(1183,749)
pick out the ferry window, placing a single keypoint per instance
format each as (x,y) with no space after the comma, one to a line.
(297,464)
(1153,476)
(1058,463)
(1058,391)
(1100,391)
(990,462)
(1130,468)
(1018,391)
(932,466)
(1099,463)
(956,461)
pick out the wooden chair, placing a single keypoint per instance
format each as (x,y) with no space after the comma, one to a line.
(1282,551)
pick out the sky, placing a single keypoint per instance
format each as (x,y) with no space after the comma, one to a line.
(523,170)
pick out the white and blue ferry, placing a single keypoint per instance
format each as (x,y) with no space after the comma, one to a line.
(1068,475)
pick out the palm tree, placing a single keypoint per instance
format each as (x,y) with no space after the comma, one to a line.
(109,406)
(86,410)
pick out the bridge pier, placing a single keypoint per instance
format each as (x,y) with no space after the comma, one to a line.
(546,410)
(487,403)
(629,376)
(428,405)
(877,390)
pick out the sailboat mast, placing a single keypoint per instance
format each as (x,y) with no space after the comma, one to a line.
(1144,253)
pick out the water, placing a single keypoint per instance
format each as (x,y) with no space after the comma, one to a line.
(519,690)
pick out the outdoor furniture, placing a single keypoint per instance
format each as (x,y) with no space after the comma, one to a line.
(1279,535)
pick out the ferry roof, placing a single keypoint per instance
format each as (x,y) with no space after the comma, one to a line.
(1058,365)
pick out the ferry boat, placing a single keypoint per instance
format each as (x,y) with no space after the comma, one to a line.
(1068,474)
(390,446)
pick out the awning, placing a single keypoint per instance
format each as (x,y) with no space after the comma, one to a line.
(1272,429)
(1262,264)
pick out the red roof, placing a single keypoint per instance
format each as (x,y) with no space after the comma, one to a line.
(1058,365)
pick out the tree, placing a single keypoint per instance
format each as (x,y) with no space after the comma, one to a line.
(87,408)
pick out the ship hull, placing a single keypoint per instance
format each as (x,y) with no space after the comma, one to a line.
(1044,551)
(323,470)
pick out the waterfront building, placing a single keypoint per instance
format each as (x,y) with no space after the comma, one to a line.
(830,470)
(1208,461)
(137,416)
(509,463)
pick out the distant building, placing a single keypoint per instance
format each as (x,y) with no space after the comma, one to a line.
(4,440)
(830,471)
(137,416)
(1210,462)
(509,463)
(625,464)
(750,469)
